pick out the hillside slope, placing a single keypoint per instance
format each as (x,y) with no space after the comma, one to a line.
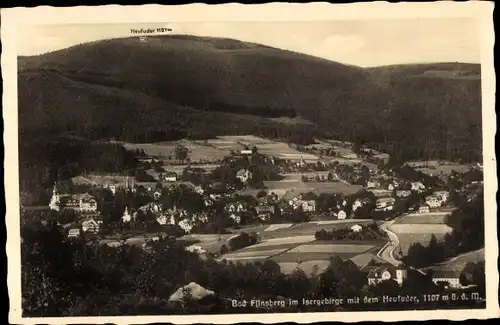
(201,86)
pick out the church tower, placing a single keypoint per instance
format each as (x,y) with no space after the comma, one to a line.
(54,200)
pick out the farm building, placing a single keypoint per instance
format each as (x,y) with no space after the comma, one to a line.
(423,209)
(171,177)
(74,232)
(433,201)
(356,228)
(450,278)
(342,215)
(381,273)
(403,193)
(383,203)
(90,225)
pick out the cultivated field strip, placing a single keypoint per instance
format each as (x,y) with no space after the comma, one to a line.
(278,226)
(420,229)
(332,248)
(286,240)
(424,219)
(266,253)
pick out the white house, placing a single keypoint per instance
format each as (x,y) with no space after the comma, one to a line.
(126,216)
(236,217)
(433,202)
(450,278)
(372,184)
(390,187)
(186,225)
(423,209)
(208,202)
(341,215)
(309,206)
(90,225)
(170,177)
(385,202)
(356,228)
(243,175)
(442,195)
(403,193)
(196,249)
(162,219)
(417,186)
(74,232)
(385,273)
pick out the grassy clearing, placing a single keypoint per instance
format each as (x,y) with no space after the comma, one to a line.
(285,240)
(424,219)
(316,266)
(420,229)
(407,239)
(278,226)
(267,253)
(332,248)
(289,257)
(153,149)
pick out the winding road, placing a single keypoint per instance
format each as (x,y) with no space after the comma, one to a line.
(387,252)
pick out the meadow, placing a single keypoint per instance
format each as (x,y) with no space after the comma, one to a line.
(424,218)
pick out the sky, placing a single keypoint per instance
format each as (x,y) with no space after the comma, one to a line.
(365,43)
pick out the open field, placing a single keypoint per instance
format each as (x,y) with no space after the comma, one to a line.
(309,229)
(278,226)
(178,169)
(294,240)
(298,176)
(427,218)
(160,149)
(290,257)
(342,161)
(436,168)
(108,179)
(331,249)
(316,266)
(420,228)
(407,239)
(245,254)
(312,186)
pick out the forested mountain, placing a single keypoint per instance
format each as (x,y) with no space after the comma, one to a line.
(171,87)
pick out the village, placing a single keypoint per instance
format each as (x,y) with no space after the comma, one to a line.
(250,202)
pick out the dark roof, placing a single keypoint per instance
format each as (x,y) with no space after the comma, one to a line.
(445,274)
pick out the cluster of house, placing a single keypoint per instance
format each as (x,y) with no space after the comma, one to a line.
(385,272)
(306,202)
(434,201)
(89,225)
(172,216)
(82,202)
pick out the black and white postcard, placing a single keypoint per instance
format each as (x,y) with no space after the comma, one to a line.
(226,163)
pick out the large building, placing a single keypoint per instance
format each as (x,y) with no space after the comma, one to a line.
(78,202)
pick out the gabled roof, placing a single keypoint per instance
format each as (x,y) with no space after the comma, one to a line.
(379,270)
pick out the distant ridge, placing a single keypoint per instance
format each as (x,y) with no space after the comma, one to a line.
(178,85)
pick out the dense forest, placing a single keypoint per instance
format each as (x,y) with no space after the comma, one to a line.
(98,90)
